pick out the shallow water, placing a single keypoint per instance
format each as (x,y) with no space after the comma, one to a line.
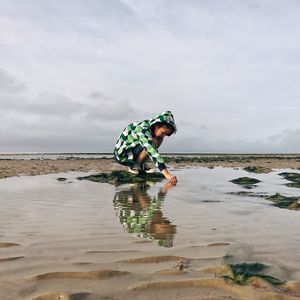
(58,223)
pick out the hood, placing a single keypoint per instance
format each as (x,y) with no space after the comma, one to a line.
(166,116)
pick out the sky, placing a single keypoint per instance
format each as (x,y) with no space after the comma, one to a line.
(74,73)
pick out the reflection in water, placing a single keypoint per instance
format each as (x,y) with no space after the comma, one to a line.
(141,214)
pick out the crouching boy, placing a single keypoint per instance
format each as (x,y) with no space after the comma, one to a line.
(141,140)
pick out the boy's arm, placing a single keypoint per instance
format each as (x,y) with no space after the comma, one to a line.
(145,139)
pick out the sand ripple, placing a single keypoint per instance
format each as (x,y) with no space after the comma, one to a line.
(154,259)
(101,274)
(218,244)
(65,296)
(171,272)
(111,251)
(5,259)
(143,242)
(7,245)
(292,287)
(258,289)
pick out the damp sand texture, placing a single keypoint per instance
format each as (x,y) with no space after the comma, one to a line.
(79,239)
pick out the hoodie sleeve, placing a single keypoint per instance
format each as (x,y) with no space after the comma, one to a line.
(145,139)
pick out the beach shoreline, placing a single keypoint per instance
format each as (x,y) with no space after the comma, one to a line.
(22,167)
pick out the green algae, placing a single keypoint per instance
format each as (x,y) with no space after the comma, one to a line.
(123,177)
(246,182)
(293,177)
(278,200)
(285,202)
(258,169)
(248,194)
(242,273)
(293,184)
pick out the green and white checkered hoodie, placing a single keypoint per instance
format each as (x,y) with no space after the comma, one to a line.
(139,133)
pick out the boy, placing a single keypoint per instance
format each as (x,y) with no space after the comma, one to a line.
(140,141)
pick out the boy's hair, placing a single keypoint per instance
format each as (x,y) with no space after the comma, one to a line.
(169,126)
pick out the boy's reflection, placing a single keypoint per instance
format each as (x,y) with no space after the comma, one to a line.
(141,214)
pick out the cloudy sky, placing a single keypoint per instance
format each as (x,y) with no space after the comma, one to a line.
(74,73)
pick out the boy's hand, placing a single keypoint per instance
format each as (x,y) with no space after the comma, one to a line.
(169,176)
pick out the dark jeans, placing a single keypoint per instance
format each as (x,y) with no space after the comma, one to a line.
(136,151)
(131,162)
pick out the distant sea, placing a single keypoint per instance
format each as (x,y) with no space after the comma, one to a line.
(55,156)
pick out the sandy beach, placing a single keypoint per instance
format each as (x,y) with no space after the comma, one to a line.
(85,240)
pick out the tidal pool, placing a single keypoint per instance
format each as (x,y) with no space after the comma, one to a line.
(55,224)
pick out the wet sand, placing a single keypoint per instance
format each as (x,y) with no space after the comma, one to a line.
(77,239)
(12,167)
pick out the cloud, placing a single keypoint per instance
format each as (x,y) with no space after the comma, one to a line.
(109,109)
(8,84)
(55,122)
(103,107)
(287,140)
(228,71)
(53,104)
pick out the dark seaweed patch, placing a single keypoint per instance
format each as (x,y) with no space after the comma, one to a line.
(241,273)
(246,182)
(248,194)
(122,177)
(285,202)
(277,199)
(294,177)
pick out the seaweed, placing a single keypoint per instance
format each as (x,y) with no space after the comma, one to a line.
(293,184)
(123,177)
(241,273)
(248,194)
(285,202)
(258,169)
(294,177)
(246,182)
(277,199)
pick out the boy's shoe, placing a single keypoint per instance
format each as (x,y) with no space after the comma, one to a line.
(147,169)
(134,170)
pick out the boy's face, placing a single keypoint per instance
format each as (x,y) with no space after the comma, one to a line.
(161,132)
